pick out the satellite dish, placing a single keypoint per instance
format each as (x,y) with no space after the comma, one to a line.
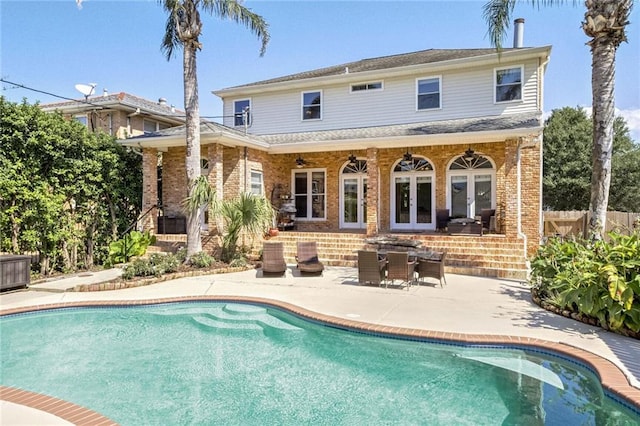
(86,89)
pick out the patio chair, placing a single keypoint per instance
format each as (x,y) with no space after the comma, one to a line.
(307,258)
(400,268)
(485,218)
(432,268)
(273,258)
(370,268)
(442,218)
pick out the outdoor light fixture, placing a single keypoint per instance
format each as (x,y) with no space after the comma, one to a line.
(407,156)
(469,155)
(299,162)
(352,159)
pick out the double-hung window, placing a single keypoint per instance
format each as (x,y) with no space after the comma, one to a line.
(256,182)
(429,90)
(312,105)
(150,126)
(310,194)
(82,119)
(241,111)
(508,83)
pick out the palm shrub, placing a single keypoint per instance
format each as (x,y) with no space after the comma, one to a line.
(248,214)
(201,259)
(596,278)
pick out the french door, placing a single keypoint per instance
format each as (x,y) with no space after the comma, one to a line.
(412,199)
(470,193)
(353,194)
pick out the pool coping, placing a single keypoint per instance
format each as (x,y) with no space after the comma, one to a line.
(612,378)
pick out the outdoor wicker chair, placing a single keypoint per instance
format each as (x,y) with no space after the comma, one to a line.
(370,268)
(485,218)
(442,219)
(432,268)
(400,268)
(307,258)
(273,258)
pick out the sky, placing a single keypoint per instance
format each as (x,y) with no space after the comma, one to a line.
(53,45)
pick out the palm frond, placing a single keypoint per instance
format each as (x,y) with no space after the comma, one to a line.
(170,41)
(497,14)
(201,194)
(235,11)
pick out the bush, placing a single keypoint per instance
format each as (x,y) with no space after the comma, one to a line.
(181,254)
(201,260)
(596,278)
(133,244)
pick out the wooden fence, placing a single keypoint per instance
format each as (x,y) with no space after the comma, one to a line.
(563,223)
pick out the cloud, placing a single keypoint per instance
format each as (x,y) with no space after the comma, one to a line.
(632,117)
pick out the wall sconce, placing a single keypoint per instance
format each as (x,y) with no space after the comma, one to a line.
(300,162)
(407,156)
(352,159)
(469,155)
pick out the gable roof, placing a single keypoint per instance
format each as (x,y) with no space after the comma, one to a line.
(394,63)
(120,100)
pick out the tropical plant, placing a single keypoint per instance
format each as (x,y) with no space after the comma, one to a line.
(183,29)
(604,22)
(133,244)
(593,277)
(202,259)
(247,214)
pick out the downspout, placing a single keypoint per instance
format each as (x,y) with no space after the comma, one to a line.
(245,169)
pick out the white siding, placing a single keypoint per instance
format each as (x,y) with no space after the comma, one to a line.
(465,93)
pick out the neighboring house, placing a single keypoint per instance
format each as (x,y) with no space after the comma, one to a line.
(121,115)
(378,145)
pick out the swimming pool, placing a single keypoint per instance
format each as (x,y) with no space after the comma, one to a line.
(227,363)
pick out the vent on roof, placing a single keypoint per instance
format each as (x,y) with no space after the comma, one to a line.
(162,101)
(105,93)
(518,33)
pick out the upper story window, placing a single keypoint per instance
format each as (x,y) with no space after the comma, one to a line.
(428,90)
(81,119)
(240,111)
(312,105)
(508,82)
(149,126)
(366,86)
(256,182)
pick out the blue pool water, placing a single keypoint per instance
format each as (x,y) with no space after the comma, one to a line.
(234,364)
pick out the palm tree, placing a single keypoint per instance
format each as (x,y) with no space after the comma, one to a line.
(605,22)
(183,29)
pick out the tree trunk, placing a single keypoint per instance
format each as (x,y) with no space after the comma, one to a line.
(192,160)
(605,21)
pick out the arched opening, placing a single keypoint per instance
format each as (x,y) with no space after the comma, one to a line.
(471,185)
(413,194)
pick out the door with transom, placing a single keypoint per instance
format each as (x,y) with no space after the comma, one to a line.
(353,195)
(471,186)
(413,195)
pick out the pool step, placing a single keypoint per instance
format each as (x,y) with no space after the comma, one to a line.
(212,323)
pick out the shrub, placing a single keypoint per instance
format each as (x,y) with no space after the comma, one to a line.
(181,254)
(133,244)
(597,278)
(201,260)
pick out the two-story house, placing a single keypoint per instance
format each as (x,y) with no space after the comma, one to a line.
(121,115)
(379,146)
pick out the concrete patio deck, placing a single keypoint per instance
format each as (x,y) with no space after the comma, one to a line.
(467,305)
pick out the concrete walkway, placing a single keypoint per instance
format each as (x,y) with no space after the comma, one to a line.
(466,305)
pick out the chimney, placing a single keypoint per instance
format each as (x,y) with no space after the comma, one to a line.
(518,33)
(105,93)
(162,101)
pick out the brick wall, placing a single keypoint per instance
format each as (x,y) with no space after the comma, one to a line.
(229,164)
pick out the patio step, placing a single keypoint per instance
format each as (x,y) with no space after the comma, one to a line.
(490,256)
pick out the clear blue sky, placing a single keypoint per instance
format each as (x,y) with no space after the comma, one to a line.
(52,45)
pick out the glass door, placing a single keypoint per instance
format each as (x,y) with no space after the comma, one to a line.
(412,195)
(353,196)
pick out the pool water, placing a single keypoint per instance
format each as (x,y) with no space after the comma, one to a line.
(232,364)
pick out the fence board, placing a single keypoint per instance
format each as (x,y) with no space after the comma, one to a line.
(565,223)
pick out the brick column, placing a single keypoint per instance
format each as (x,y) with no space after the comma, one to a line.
(509,214)
(372,192)
(149,188)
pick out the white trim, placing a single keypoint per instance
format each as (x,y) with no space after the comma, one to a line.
(413,224)
(495,84)
(362,182)
(261,173)
(234,110)
(302,105)
(433,77)
(367,83)
(309,193)
(470,174)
